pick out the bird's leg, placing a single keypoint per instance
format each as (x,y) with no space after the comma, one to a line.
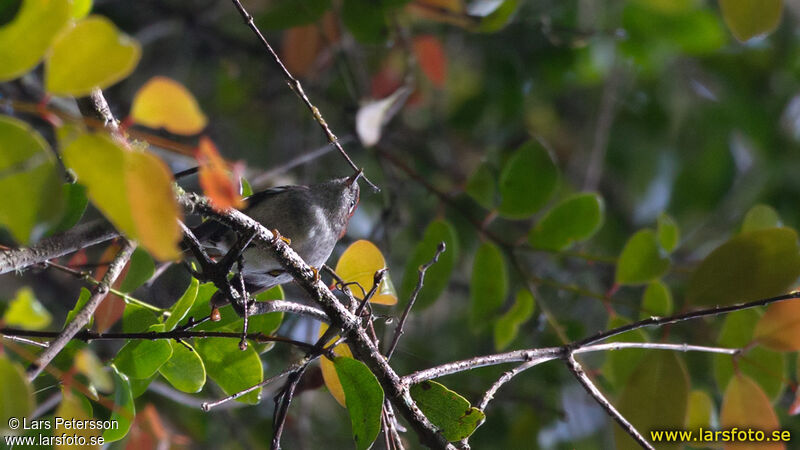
(277,235)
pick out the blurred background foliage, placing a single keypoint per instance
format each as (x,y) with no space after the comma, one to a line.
(655,105)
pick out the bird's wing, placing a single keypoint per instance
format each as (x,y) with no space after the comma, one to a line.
(261,196)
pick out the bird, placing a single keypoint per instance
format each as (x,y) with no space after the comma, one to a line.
(311,217)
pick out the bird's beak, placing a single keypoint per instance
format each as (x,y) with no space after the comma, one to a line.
(353,178)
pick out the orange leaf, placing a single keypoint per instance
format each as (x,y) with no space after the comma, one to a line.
(745,406)
(329,371)
(163,102)
(215,179)
(156,212)
(779,327)
(358,264)
(300,48)
(432,59)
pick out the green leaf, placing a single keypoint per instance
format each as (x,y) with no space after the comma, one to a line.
(364,398)
(92,54)
(87,363)
(446,409)
(642,259)
(619,365)
(82,299)
(16,395)
(124,409)
(575,219)
(438,275)
(181,307)
(75,203)
(139,386)
(137,319)
(365,19)
(668,233)
(25,40)
(291,13)
(140,270)
(700,411)
(74,408)
(752,265)
(507,326)
(528,180)
(28,180)
(760,217)
(766,367)
(26,312)
(497,18)
(657,300)
(654,397)
(488,286)
(80,8)
(482,186)
(232,369)
(184,370)
(751,18)
(141,358)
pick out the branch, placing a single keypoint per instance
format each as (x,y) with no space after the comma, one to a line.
(85,314)
(420,281)
(297,88)
(587,384)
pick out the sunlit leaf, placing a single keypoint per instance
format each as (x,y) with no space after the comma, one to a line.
(142,358)
(358,264)
(90,365)
(216,180)
(163,102)
(654,397)
(449,411)
(764,366)
(74,408)
(25,311)
(751,18)
(91,54)
(232,369)
(24,41)
(760,217)
(642,259)
(507,326)
(745,406)
(656,301)
(482,186)
(82,299)
(574,219)
(779,327)
(752,265)
(364,398)
(668,232)
(329,370)
(432,59)
(374,114)
(80,8)
(140,269)
(16,394)
(494,14)
(184,369)
(124,409)
(181,307)
(488,285)
(438,275)
(528,180)
(28,180)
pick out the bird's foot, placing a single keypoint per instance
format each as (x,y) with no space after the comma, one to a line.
(277,235)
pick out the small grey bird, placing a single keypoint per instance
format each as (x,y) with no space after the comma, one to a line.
(312,217)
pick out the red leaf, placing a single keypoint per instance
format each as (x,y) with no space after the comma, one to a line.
(300,48)
(215,179)
(432,59)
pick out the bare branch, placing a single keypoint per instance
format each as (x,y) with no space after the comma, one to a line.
(587,384)
(82,318)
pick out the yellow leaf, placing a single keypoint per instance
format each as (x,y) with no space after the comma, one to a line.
(163,102)
(358,264)
(329,371)
(155,210)
(74,410)
(751,18)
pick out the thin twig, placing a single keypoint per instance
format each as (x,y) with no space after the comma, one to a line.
(25,341)
(282,403)
(273,172)
(297,88)
(587,384)
(206,406)
(85,314)
(420,281)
